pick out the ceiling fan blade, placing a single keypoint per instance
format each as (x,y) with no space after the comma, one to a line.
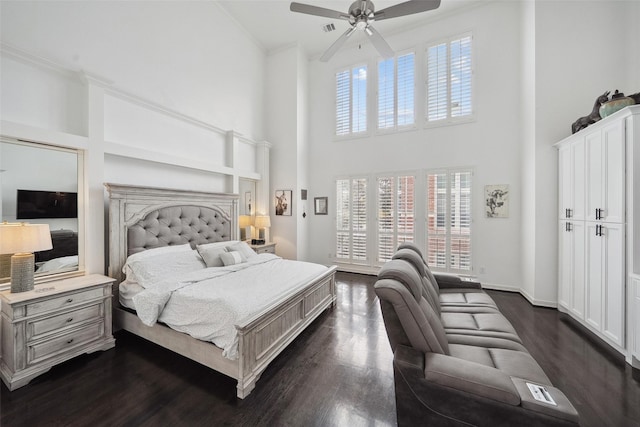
(406,8)
(318,11)
(337,44)
(379,43)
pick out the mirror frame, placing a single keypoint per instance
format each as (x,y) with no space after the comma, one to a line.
(82,197)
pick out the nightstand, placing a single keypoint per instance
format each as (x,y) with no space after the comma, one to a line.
(267,248)
(54,322)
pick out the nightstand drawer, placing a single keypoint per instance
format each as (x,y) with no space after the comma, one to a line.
(63,343)
(267,250)
(54,323)
(64,301)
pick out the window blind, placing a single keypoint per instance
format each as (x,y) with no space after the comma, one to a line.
(351,219)
(351,100)
(396,216)
(396,100)
(449,79)
(449,220)
(343,103)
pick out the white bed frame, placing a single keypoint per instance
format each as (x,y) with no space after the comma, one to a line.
(260,338)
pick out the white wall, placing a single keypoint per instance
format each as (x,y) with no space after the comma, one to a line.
(172,79)
(576,60)
(187,55)
(490,144)
(286,123)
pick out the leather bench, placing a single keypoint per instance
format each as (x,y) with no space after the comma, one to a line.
(457,359)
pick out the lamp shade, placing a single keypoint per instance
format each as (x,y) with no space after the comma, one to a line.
(24,237)
(245,221)
(263,221)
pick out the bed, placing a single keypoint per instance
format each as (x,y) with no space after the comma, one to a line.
(201,218)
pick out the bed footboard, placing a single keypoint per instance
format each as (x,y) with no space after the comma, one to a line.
(264,336)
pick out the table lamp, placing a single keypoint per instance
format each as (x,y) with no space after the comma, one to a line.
(21,240)
(245,221)
(262,222)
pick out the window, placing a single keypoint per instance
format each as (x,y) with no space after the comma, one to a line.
(351,101)
(449,78)
(449,220)
(351,219)
(396,91)
(395,213)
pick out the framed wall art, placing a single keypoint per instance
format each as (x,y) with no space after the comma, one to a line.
(247,203)
(321,205)
(283,203)
(496,201)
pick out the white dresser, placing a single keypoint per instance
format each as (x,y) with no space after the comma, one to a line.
(598,199)
(53,323)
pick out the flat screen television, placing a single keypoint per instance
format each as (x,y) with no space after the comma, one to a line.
(33,204)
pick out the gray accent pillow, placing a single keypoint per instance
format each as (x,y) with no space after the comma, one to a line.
(211,255)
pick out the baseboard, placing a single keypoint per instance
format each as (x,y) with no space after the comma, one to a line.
(364,269)
(525,294)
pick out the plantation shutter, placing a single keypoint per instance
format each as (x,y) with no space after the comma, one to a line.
(406,88)
(343,219)
(359,99)
(449,220)
(437,93)
(460,234)
(343,109)
(436,224)
(359,218)
(351,219)
(351,101)
(386,94)
(396,86)
(386,218)
(461,77)
(449,79)
(395,214)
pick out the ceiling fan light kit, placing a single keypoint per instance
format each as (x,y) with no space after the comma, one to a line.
(361,14)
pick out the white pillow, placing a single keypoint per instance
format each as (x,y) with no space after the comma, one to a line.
(232,258)
(153,269)
(243,248)
(151,253)
(211,255)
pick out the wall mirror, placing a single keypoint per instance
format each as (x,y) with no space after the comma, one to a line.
(40,184)
(247,190)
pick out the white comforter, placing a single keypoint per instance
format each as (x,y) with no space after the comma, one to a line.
(208,303)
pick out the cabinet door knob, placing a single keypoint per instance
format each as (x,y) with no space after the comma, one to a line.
(70,341)
(70,300)
(70,319)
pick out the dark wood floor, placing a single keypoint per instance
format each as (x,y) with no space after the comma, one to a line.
(337,373)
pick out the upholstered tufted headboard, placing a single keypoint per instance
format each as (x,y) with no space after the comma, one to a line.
(142,218)
(177,225)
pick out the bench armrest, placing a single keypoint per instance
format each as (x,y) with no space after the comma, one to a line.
(458,374)
(447,280)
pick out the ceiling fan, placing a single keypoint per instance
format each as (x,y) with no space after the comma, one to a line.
(360,13)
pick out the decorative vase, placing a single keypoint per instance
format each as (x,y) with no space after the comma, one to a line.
(618,102)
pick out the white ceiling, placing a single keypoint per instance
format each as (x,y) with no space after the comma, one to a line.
(274,26)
